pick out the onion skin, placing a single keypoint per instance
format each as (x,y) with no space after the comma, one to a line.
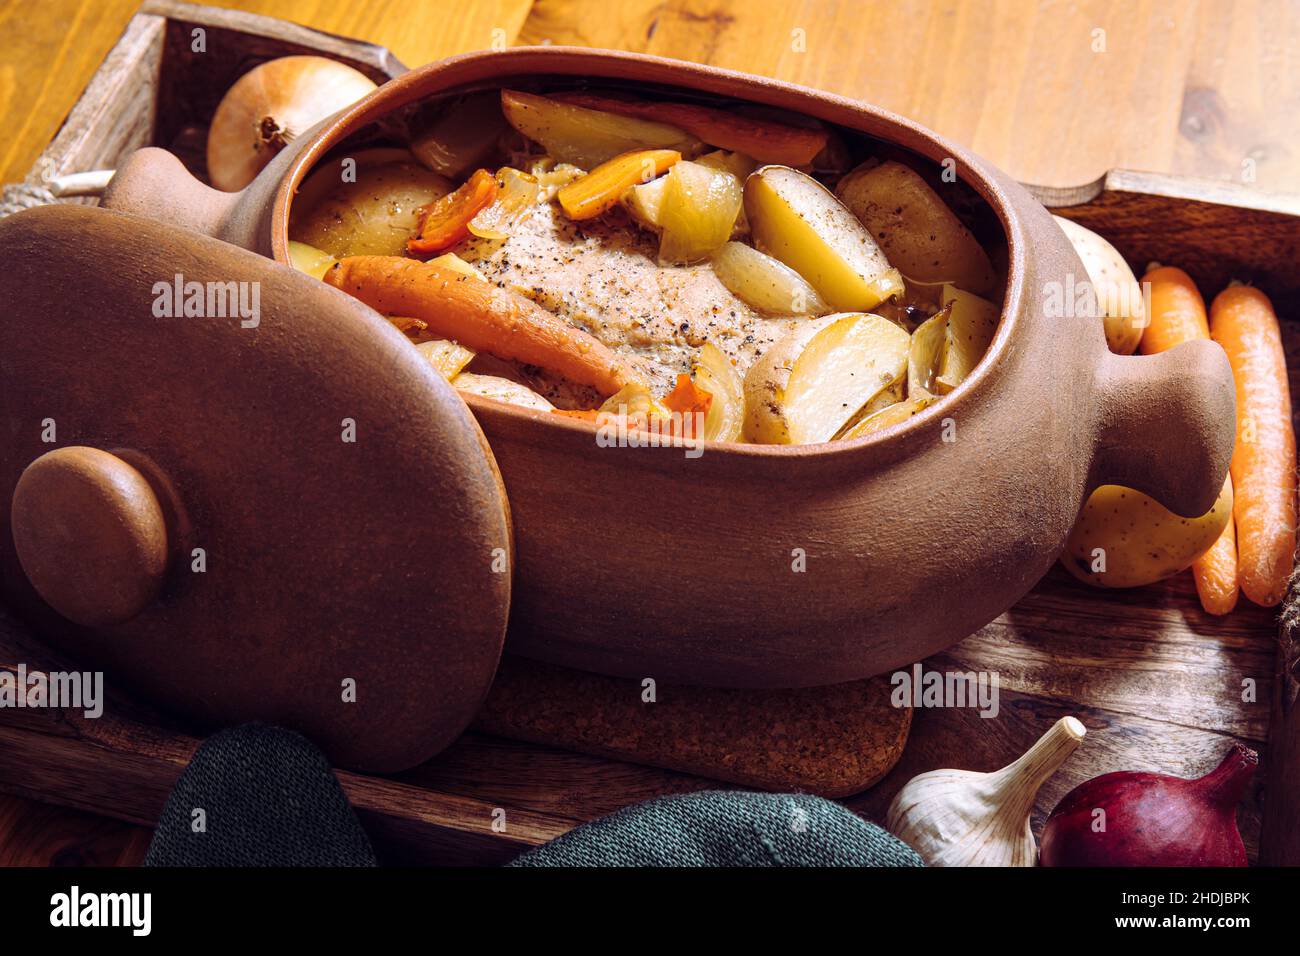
(1153,819)
(269,106)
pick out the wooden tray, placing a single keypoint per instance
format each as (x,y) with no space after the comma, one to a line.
(1158,683)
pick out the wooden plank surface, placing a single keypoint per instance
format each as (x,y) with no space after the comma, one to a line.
(1206,89)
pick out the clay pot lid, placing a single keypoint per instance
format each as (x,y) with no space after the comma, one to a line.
(288,517)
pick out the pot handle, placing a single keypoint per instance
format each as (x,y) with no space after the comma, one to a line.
(155,184)
(1167,425)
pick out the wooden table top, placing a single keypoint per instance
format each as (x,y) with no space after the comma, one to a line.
(1055,93)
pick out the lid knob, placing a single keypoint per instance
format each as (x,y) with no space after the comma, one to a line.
(90,535)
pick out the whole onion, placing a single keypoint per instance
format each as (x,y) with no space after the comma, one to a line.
(269,106)
(1150,819)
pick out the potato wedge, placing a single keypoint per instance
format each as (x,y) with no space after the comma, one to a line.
(645,203)
(769,140)
(891,415)
(373,216)
(738,164)
(811,383)
(586,138)
(309,259)
(796,219)
(715,374)
(914,228)
(448,357)
(501,389)
(765,284)
(449,260)
(971,324)
(1117,293)
(886,398)
(926,352)
(1125,539)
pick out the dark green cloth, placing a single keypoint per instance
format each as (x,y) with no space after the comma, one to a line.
(726,828)
(268,798)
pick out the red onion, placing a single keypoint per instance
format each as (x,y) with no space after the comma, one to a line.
(1151,819)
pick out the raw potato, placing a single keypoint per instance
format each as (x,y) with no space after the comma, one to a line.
(586,138)
(796,219)
(813,382)
(373,216)
(915,229)
(716,375)
(765,284)
(501,389)
(892,415)
(1118,294)
(971,324)
(1139,539)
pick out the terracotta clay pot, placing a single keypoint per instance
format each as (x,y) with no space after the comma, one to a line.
(792,566)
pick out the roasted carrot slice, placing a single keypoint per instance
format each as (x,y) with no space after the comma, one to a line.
(767,141)
(600,190)
(1263,463)
(480,316)
(691,402)
(687,397)
(1178,315)
(445,222)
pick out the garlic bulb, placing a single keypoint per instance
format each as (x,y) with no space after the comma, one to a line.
(271,104)
(965,818)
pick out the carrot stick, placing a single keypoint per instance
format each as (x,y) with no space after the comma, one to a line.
(1177,311)
(479,316)
(1177,315)
(1263,463)
(600,190)
(445,222)
(766,141)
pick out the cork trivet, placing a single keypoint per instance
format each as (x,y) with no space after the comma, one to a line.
(833,741)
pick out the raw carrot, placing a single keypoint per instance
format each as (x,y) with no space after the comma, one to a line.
(1177,311)
(766,141)
(1177,315)
(1263,463)
(600,190)
(445,222)
(1216,573)
(480,316)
